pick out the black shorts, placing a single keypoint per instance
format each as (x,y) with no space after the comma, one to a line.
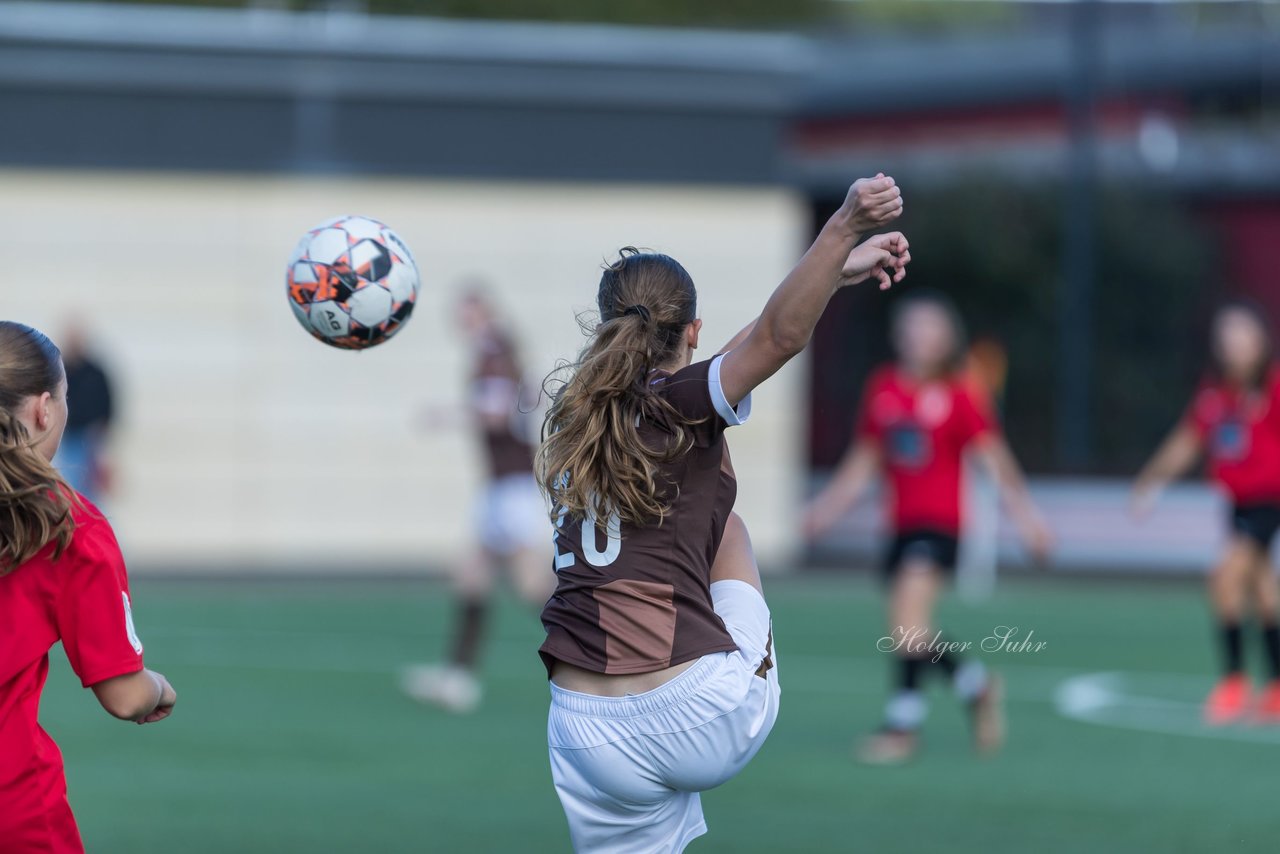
(933,546)
(1256,522)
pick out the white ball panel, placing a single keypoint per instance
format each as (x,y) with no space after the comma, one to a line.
(363,228)
(398,246)
(362,253)
(300,312)
(371,305)
(402,281)
(329,319)
(304,273)
(328,245)
(300,249)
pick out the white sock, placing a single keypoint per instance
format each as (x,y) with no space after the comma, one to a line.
(970,680)
(905,710)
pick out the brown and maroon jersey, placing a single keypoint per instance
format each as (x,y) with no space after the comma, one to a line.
(496,402)
(636,598)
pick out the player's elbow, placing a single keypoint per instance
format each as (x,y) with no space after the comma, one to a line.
(126,697)
(786,344)
(126,709)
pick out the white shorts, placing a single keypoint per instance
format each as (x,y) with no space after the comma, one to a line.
(628,770)
(511,515)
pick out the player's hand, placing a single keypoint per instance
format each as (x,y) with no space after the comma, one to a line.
(814,522)
(883,257)
(1039,540)
(1141,502)
(168,698)
(872,203)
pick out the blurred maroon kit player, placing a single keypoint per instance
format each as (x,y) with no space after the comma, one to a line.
(510,519)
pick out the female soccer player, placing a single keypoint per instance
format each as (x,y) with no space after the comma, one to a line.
(918,420)
(61,578)
(1235,419)
(658,648)
(511,518)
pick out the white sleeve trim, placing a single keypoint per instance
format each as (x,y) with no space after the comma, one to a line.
(733,416)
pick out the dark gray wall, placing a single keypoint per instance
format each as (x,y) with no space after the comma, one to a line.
(131,87)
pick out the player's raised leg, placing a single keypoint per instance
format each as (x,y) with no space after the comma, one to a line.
(738,598)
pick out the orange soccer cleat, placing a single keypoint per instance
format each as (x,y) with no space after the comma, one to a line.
(1229,700)
(1268,709)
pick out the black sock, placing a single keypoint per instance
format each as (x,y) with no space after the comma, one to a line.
(1232,649)
(468,631)
(1271,643)
(948,662)
(909,673)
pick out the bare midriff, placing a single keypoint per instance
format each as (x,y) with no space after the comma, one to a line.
(573,678)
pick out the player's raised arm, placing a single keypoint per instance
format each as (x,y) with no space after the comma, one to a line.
(788,320)
(852,273)
(1174,458)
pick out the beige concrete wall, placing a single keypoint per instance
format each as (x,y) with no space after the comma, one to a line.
(244,443)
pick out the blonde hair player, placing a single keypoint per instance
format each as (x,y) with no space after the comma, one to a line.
(659,642)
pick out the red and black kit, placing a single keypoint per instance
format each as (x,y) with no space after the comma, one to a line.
(1240,430)
(922,428)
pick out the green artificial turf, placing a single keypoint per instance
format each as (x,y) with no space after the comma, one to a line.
(291,734)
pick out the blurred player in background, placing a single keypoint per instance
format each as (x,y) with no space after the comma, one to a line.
(82,456)
(1235,419)
(918,421)
(511,517)
(62,578)
(659,642)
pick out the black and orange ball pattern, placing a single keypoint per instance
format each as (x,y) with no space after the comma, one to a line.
(352,282)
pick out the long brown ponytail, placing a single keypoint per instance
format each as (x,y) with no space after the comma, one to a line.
(35,502)
(593,459)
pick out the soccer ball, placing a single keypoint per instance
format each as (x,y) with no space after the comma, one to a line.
(352,282)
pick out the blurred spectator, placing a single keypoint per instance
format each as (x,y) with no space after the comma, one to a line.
(81,457)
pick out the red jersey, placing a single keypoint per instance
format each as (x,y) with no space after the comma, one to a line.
(1241,434)
(922,429)
(82,599)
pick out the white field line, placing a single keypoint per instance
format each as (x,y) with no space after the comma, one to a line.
(1113,699)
